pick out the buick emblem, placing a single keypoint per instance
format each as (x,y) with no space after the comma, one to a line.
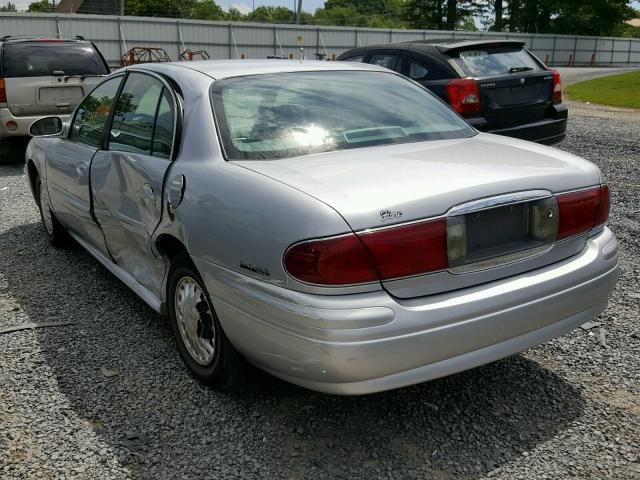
(389,215)
(522,81)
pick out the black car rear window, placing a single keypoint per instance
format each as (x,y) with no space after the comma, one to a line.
(487,61)
(41,59)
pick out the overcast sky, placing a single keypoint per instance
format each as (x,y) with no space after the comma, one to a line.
(243,5)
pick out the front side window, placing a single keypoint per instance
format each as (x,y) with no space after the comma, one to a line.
(93,113)
(482,62)
(135,129)
(289,114)
(43,58)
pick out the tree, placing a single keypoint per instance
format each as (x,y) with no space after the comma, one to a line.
(160,8)
(43,6)
(207,10)
(271,14)
(438,14)
(9,7)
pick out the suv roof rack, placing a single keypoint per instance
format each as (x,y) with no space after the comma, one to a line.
(40,37)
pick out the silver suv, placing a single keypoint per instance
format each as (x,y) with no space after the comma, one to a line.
(39,77)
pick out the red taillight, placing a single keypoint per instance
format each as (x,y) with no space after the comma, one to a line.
(3,92)
(464,95)
(409,249)
(332,261)
(396,252)
(583,210)
(557,87)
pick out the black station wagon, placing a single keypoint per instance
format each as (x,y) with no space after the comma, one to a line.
(498,86)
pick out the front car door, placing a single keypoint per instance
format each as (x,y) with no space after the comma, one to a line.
(127,177)
(68,163)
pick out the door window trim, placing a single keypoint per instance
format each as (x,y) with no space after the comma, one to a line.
(177,117)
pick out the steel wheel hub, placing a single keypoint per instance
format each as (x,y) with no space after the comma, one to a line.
(194,317)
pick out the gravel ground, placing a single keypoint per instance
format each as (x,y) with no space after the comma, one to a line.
(108,397)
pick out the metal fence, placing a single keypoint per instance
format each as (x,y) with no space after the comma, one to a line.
(115,35)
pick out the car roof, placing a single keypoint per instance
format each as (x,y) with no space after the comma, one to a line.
(219,69)
(439,45)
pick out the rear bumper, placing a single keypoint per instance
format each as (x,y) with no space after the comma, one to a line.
(24,123)
(548,131)
(365,343)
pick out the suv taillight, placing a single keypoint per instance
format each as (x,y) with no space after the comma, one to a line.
(464,95)
(557,87)
(581,211)
(3,92)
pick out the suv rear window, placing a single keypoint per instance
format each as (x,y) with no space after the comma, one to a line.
(41,59)
(482,61)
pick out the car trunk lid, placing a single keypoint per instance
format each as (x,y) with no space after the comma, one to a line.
(516,98)
(379,187)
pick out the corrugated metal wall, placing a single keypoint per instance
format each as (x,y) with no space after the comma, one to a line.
(115,35)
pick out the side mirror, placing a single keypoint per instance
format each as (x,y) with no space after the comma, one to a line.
(46,127)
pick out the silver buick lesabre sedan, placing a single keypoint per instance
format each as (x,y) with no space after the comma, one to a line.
(334,224)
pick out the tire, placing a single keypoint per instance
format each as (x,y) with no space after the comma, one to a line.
(200,340)
(56,233)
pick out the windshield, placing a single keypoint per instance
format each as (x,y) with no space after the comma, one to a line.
(482,62)
(41,59)
(284,115)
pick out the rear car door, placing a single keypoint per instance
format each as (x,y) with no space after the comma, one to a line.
(49,77)
(128,176)
(514,87)
(68,161)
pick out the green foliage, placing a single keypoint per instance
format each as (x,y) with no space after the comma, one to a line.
(618,90)
(9,7)
(208,10)
(271,14)
(584,17)
(43,6)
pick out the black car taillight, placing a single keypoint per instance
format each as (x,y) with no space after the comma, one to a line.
(3,92)
(557,87)
(464,95)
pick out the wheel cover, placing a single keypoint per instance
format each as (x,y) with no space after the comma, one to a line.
(194,317)
(45,209)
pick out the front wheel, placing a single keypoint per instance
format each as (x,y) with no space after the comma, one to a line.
(56,233)
(199,337)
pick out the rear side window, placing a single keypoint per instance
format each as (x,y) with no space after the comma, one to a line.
(495,61)
(386,60)
(135,129)
(41,59)
(426,69)
(357,59)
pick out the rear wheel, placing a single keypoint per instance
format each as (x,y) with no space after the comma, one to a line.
(199,337)
(56,233)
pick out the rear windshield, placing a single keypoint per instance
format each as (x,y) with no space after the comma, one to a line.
(482,62)
(41,59)
(284,115)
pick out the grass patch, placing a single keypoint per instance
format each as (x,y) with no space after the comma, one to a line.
(618,90)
